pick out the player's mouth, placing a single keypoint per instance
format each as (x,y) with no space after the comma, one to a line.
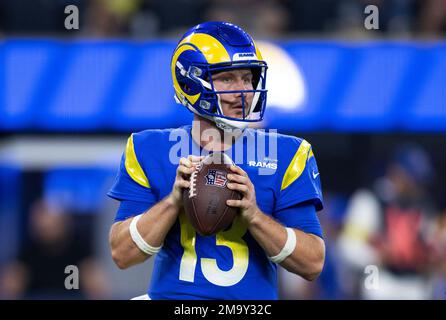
(237,111)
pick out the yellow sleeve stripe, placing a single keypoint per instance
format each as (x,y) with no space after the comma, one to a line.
(311,154)
(132,165)
(297,165)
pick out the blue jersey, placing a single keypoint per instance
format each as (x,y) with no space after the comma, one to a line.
(231,264)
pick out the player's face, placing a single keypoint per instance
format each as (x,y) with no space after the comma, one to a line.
(231,103)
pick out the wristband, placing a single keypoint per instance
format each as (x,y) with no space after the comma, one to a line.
(288,248)
(138,239)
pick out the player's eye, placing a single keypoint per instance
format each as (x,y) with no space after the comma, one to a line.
(223,79)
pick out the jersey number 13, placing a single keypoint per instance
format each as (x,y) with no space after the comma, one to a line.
(231,238)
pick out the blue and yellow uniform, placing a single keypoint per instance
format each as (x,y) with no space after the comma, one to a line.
(231,264)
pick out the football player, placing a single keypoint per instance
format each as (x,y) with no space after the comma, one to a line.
(218,73)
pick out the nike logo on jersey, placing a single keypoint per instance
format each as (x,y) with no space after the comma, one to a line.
(315,174)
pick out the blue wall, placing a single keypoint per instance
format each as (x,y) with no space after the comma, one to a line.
(48,85)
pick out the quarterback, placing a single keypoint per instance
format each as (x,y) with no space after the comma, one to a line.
(219,74)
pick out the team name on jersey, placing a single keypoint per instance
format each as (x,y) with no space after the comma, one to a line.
(263,164)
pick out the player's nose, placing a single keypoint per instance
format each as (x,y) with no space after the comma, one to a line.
(240,86)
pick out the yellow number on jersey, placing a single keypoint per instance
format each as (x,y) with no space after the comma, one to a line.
(231,238)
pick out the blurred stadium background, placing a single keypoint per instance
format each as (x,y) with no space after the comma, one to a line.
(371,102)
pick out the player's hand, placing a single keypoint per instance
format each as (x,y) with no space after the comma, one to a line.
(185,168)
(240,181)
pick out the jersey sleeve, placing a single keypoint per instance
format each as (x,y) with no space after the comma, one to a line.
(301,180)
(301,216)
(131,182)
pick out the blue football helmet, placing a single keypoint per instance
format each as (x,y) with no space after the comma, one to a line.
(213,47)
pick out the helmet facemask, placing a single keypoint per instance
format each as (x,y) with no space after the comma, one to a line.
(209,105)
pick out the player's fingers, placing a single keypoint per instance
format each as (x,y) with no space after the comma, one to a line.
(234,203)
(181,183)
(185,162)
(193,158)
(183,170)
(241,179)
(238,170)
(239,187)
(238,178)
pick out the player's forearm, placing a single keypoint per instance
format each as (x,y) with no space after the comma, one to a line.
(153,227)
(307,258)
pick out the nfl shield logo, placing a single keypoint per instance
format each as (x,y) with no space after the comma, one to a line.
(216,178)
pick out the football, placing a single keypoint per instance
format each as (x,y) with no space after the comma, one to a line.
(205,200)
